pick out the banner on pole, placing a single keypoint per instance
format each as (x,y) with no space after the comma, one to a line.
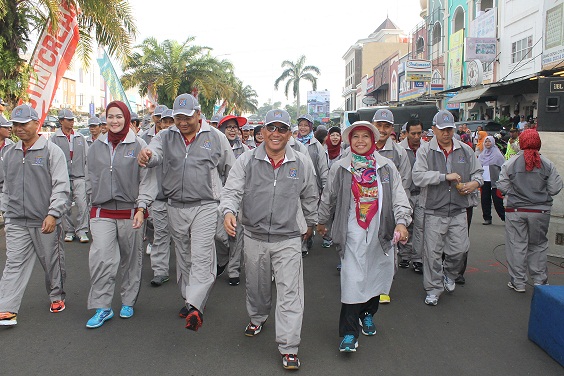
(112,80)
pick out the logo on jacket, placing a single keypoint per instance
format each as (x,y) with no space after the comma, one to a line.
(79,142)
(130,153)
(38,161)
(385,177)
(206,145)
(293,173)
(461,159)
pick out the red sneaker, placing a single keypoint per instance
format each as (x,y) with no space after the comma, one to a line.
(57,306)
(194,319)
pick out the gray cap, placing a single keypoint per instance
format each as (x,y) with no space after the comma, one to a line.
(134,116)
(103,119)
(383,114)
(159,110)
(247,127)
(307,117)
(23,114)
(167,114)
(277,115)
(66,114)
(185,104)
(294,128)
(215,118)
(94,121)
(443,119)
(5,123)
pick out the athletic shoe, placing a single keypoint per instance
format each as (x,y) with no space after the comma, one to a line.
(367,323)
(69,237)
(432,300)
(8,319)
(57,306)
(234,281)
(194,319)
(339,267)
(327,243)
(418,267)
(384,299)
(512,286)
(252,330)
(348,344)
(448,284)
(126,312)
(305,253)
(220,270)
(290,361)
(460,280)
(183,312)
(84,238)
(404,264)
(149,249)
(158,280)
(487,222)
(99,318)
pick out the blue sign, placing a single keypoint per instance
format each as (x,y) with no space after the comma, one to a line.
(91,109)
(419,84)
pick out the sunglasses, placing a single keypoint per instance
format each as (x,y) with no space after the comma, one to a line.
(282,129)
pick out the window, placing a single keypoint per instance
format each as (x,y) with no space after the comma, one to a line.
(436,41)
(420,45)
(458,20)
(81,100)
(522,49)
(486,4)
(80,75)
(436,79)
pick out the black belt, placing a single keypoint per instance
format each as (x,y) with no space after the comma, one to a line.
(511,210)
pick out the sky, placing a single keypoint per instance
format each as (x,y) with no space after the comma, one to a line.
(257,36)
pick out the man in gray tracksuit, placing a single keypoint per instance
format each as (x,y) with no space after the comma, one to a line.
(275,189)
(5,143)
(448,173)
(75,147)
(35,196)
(196,158)
(95,127)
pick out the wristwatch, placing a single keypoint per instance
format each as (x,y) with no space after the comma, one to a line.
(143,210)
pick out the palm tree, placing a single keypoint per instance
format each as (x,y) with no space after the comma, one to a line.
(294,73)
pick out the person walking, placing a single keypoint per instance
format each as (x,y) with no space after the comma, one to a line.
(276,192)
(121,193)
(491,160)
(365,191)
(529,181)
(95,128)
(34,199)
(196,159)
(5,143)
(512,143)
(334,152)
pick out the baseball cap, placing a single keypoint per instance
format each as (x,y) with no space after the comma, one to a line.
(185,104)
(247,127)
(294,128)
(281,116)
(307,117)
(443,119)
(134,116)
(383,115)
(167,114)
(94,121)
(215,119)
(2,102)
(103,119)
(4,122)
(159,110)
(24,113)
(358,124)
(239,119)
(66,114)
(334,129)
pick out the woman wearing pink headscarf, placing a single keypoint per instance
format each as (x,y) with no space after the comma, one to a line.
(492,160)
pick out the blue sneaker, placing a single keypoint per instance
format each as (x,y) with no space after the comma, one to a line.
(126,312)
(99,317)
(368,327)
(348,344)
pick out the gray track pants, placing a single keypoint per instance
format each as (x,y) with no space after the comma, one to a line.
(21,244)
(448,235)
(285,258)
(78,195)
(160,253)
(526,245)
(192,230)
(229,250)
(413,249)
(116,250)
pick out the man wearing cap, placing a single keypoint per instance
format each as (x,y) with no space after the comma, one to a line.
(512,143)
(276,192)
(95,128)
(197,159)
(413,249)
(135,123)
(75,147)
(5,143)
(157,230)
(246,130)
(155,128)
(448,174)
(214,121)
(103,124)
(229,249)
(34,200)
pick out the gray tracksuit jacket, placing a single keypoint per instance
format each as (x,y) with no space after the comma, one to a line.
(77,164)
(117,181)
(529,189)
(7,144)
(148,135)
(37,185)
(336,199)
(413,189)
(398,155)
(192,174)
(276,204)
(317,153)
(438,196)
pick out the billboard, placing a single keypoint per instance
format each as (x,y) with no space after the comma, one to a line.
(456,43)
(553,49)
(483,49)
(319,105)
(418,70)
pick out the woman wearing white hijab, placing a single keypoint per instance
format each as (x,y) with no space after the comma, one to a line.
(492,160)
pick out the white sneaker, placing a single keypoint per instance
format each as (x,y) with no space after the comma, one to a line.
(449,284)
(84,239)
(432,300)
(149,249)
(69,237)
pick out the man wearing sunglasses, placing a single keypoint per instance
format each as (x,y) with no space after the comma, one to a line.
(276,191)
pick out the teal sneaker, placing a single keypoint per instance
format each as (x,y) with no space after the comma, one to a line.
(99,317)
(348,344)
(367,323)
(126,312)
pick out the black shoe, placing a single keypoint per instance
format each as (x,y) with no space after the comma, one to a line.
(183,312)
(194,319)
(159,280)
(220,270)
(305,253)
(234,281)
(309,242)
(404,264)
(460,280)
(487,222)
(418,267)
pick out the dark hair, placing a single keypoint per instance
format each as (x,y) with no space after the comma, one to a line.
(413,123)
(321,135)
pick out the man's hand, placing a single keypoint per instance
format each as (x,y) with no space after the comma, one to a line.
(321,229)
(404,234)
(230,224)
(454,177)
(138,219)
(467,188)
(144,157)
(308,233)
(49,224)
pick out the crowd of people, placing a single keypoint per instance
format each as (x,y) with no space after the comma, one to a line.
(229,195)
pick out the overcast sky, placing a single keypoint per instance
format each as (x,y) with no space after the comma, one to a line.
(256,36)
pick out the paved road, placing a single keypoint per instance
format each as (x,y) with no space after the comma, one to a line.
(480,329)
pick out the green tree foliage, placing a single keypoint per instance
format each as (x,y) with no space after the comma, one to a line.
(294,74)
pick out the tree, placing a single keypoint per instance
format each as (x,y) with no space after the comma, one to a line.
(262,110)
(294,74)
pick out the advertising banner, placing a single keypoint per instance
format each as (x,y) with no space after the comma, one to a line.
(112,80)
(418,70)
(553,51)
(318,105)
(456,43)
(483,49)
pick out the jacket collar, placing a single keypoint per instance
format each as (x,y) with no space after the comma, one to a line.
(261,152)
(433,144)
(129,139)
(39,144)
